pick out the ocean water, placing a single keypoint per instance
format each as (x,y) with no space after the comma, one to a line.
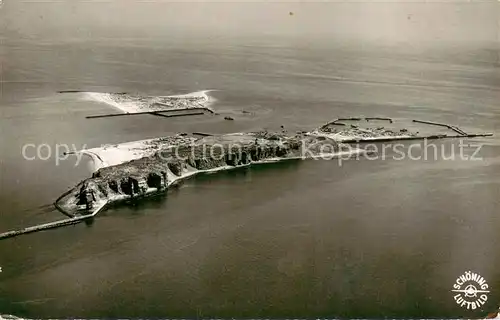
(367,238)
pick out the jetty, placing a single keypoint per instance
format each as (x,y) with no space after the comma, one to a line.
(52,225)
(139,169)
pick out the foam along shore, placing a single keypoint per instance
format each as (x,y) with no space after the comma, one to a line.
(9,316)
(340,130)
(197,94)
(129,103)
(156,171)
(141,168)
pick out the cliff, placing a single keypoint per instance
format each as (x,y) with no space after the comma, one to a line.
(171,163)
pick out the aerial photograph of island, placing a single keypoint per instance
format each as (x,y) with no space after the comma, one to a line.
(249,159)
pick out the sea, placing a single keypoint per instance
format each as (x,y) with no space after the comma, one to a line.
(362,238)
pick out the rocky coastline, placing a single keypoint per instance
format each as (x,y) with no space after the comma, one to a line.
(140,169)
(170,163)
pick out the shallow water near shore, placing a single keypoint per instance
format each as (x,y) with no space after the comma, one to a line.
(368,238)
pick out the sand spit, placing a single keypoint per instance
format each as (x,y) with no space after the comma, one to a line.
(158,164)
(138,169)
(130,103)
(142,168)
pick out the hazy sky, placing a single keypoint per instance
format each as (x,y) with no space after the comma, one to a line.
(370,20)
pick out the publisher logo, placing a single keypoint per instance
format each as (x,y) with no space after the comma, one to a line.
(471,290)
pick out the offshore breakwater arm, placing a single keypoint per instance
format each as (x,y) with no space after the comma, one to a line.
(164,162)
(52,225)
(139,169)
(131,104)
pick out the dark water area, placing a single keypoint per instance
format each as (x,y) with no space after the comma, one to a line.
(367,238)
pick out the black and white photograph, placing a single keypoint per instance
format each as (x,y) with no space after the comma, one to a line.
(237,159)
